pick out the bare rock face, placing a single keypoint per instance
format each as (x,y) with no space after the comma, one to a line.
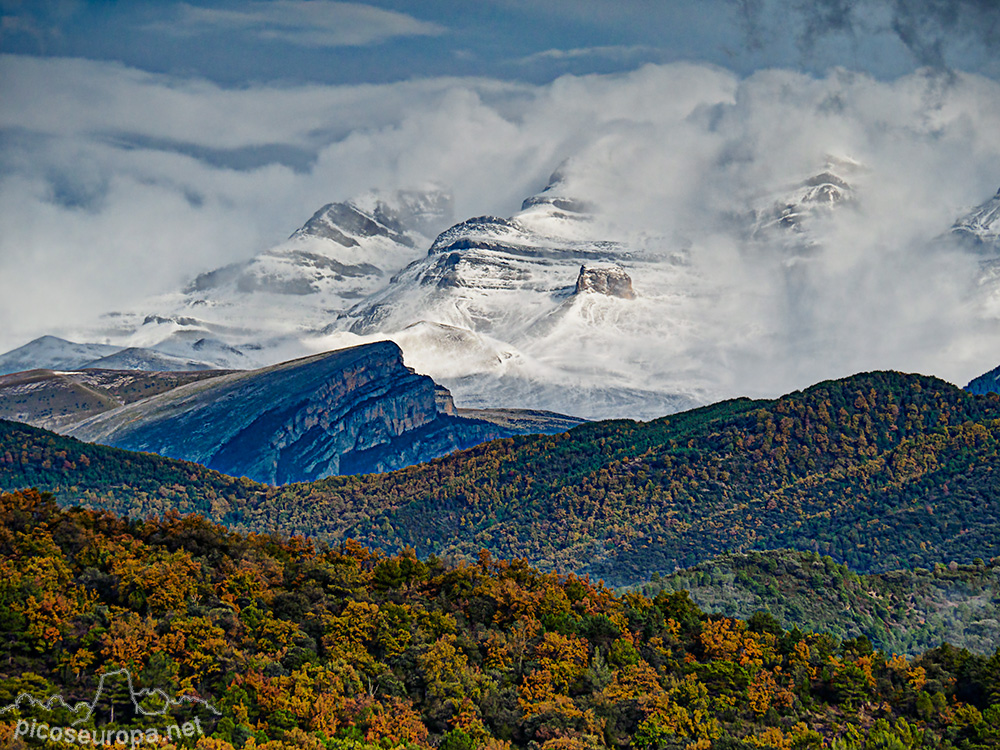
(609,280)
(351,411)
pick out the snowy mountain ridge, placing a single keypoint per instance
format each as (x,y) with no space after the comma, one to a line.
(539,310)
(981,226)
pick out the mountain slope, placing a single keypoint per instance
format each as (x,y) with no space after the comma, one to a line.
(353,411)
(901,611)
(56,400)
(881,471)
(146,360)
(300,645)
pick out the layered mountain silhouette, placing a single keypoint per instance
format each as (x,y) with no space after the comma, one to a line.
(352,411)
(554,307)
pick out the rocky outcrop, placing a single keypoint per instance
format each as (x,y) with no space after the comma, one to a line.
(609,280)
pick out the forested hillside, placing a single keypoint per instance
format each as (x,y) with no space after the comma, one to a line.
(901,611)
(345,648)
(880,471)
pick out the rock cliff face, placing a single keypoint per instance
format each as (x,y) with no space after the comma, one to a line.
(352,411)
(612,281)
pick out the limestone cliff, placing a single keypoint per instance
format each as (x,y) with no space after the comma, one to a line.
(351,411)
(609,280)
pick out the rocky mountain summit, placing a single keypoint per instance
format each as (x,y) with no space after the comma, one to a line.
(787,217)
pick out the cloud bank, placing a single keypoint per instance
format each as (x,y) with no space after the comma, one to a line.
(118,184)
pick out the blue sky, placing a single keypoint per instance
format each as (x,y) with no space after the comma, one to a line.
(295,41)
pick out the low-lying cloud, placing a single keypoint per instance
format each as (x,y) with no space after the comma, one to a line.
(117,184)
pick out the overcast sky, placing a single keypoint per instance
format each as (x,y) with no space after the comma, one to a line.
(144,142)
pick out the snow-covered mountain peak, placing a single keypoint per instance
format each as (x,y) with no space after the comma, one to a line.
(477,232)
(345,224)
(785,215)
(406,217)
(557,212)
(981,226)
(516,237)
(825,188)
(255,312)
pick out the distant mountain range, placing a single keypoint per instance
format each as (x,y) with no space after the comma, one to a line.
(551,308)
(881,471)
(54,353)
(353,411)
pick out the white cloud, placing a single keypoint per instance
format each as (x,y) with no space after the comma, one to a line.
(309,23)
(614,52)
(669,152)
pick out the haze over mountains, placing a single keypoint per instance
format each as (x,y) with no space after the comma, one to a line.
(774,231)
(537,311)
